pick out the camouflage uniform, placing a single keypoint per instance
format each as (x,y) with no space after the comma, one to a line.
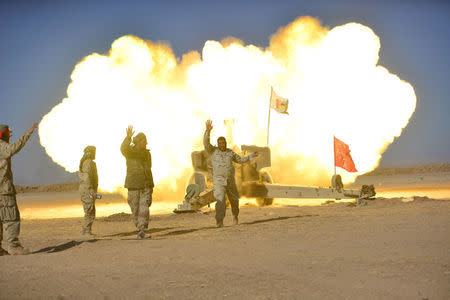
(223,177)
(9,212)
(139,202)
(139,182)
(88,186)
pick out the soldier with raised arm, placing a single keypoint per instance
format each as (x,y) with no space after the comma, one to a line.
(222,160)
(139,180)
(9,212)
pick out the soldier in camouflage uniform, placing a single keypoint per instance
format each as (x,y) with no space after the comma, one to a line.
(139,180)
(88,189)
(9,212)
(222,160)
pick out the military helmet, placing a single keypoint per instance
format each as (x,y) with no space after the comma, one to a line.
(89,149)
(139,137)
(4,129)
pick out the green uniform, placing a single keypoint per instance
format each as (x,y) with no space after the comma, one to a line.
(139,182)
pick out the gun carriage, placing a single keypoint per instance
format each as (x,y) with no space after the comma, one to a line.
(254,181)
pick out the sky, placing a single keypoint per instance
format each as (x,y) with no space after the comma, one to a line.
(42,41)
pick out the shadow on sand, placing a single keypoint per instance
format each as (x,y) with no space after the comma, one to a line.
(186,231)
(71,244)
(135,232)
(63,247)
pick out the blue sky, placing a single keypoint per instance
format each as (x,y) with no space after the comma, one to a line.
(41,41)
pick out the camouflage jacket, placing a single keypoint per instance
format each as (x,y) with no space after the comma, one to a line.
(88,176)
(7,150)
(222,161)
(139,164)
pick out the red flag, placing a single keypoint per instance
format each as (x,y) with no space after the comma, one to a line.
(342,157)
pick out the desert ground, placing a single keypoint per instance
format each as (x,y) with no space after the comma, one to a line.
(395,247)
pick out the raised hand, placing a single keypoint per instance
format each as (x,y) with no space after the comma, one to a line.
(130,131)
(30,131)
(209,126)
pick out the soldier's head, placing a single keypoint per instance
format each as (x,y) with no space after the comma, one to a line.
(140,141)
(89,152)
(222,143)
(5,132)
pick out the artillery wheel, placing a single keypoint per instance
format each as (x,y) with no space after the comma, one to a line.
(198,179)
(192,191)
(336,182)
(264,201)
(265,177)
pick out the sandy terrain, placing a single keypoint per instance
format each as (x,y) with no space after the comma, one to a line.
(397,248)
(429,180)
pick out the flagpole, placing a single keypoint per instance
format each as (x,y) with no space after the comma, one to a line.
(334,154)
(268,119)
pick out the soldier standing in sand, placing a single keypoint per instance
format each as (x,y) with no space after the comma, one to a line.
(139,180)
(9,212)
(88,189)
(222,160)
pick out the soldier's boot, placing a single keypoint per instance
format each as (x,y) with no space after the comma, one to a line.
(219,224)
(235,220)
(141,235)
(18,250)
(3,252)
(86,234)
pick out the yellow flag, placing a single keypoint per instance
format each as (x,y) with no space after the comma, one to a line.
(278,103)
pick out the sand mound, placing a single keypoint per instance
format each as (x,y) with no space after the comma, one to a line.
(59,187)
(422,199)
(436,168)
(381,201)
(120,217)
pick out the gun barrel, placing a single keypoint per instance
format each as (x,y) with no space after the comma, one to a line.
(263,190)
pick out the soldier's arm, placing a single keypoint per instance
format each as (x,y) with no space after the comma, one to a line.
(93,175)
(126,146)
(150,159)
(88,168)
(8,150)
(208,147)
(239,159)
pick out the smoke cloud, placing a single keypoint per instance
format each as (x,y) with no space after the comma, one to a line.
(331,78)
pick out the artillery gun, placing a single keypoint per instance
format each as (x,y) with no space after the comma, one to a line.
(253,181)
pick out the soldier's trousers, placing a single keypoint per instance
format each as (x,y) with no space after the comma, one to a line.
(10,219)
(230,190)
(89,211)
(140,201)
